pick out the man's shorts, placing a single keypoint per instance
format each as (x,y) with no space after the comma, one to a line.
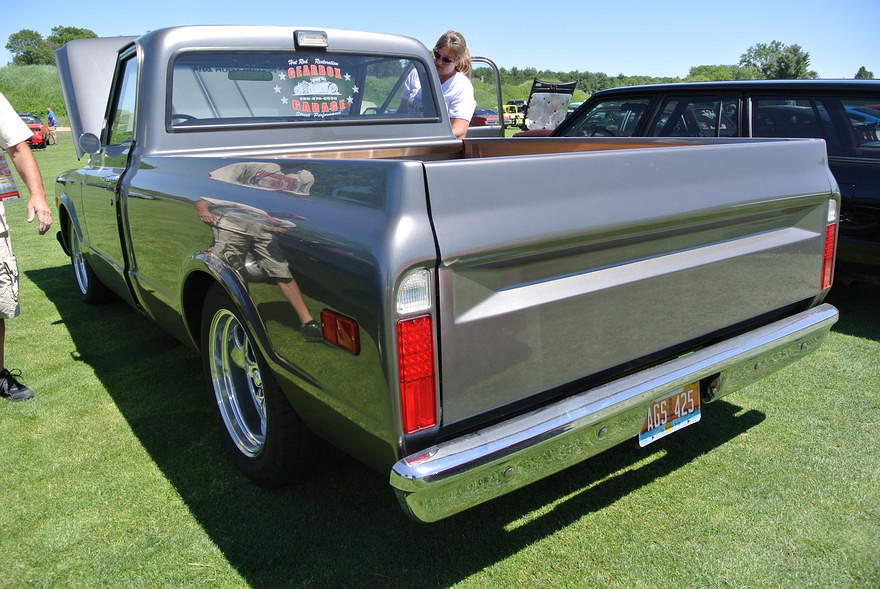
(8,272)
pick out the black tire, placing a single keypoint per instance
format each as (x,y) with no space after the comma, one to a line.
(266,438)
(90,289)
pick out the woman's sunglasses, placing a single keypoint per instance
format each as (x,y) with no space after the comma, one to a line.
(442,58)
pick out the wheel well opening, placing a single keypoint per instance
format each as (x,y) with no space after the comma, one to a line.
(194,291)
(64,222)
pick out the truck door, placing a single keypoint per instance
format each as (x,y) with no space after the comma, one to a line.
(101,180)
(488,119)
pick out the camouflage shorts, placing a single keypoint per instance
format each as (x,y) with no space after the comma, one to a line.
(8,273)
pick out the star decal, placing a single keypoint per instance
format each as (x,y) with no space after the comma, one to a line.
(355,89)
(284,100)
(350,99)
(277,89)
(347,77)
(281,75)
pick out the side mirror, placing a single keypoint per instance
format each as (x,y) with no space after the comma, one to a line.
(89,143)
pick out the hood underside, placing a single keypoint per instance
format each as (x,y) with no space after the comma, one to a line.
(86,68)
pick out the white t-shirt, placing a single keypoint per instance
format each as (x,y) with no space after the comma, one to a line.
(12,129)
(458,94)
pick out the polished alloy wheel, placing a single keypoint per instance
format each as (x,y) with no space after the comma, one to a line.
(79,264)
(237,382)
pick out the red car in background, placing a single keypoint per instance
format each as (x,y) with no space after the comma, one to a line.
(39,131)
(484,116)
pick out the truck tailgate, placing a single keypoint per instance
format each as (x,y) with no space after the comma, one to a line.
(558,267)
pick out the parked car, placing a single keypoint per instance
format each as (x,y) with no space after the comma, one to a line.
(39,131)
(484,116)
(844,113)
(513,115)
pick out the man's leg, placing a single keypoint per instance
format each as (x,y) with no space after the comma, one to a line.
(310,328)
(291,292)
(10,388)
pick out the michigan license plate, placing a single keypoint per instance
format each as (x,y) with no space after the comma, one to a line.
(670,413)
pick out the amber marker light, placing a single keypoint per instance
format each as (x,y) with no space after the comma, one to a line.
(340,331)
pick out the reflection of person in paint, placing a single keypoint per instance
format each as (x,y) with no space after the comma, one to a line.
(241,229)
(265,175)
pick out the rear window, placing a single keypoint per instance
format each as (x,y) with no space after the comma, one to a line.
(863,116)
(802,117)
(271,87)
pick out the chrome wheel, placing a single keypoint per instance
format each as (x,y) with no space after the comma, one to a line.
(80,271)
(237,382)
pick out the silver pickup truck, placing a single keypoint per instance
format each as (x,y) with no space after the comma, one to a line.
(468,316)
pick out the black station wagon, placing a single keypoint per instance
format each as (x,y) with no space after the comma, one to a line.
(846,113)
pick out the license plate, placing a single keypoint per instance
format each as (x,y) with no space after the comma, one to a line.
(670,413)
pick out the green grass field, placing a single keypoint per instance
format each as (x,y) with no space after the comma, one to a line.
(114,475)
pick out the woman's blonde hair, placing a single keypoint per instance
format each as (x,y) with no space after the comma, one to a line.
(455,41)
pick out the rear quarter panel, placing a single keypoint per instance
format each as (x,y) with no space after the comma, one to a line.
(344,241)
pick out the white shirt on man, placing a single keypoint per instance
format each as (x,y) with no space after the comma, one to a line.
(12,129)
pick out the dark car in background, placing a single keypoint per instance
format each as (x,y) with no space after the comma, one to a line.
(39,131)
(845,113)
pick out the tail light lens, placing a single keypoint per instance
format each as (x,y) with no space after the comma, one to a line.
(415,356)
(830,245)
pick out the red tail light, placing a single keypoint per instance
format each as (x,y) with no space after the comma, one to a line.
(828,255)
(415,357)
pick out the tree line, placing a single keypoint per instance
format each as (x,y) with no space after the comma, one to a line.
(774,60)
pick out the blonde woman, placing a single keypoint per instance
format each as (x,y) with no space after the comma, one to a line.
(453,62)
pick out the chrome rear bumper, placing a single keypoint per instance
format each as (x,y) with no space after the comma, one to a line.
(458,474)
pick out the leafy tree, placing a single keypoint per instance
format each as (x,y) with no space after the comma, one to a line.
(711,73)
(775,60)
(61,35)
(29,48)
(864,74)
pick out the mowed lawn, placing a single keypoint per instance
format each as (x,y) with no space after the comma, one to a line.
(114,475)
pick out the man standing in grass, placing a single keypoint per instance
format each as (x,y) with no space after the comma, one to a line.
(13,139)
(52,123)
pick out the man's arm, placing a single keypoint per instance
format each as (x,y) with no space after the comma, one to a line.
(24,162)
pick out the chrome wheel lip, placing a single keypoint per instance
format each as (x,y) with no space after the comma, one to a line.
(237,383)
(79,263)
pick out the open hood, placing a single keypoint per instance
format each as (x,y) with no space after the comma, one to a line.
(86,68)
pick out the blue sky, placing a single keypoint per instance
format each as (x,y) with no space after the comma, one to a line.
(633,37)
